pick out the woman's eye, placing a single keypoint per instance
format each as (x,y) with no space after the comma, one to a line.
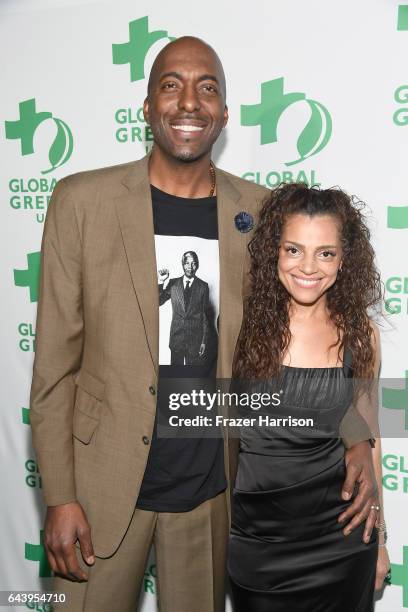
(292,250)
(328,254)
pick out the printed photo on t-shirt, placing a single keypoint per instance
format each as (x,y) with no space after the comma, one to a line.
(188,285)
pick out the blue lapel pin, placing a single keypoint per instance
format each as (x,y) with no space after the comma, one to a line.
(244,222)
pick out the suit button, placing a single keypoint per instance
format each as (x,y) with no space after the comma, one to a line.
(152,390)
(146,440)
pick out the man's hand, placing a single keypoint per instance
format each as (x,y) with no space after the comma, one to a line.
(202,349)
(64,525)
(360,469)
(163,275)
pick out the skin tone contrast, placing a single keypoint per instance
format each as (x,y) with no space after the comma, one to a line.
(186,110)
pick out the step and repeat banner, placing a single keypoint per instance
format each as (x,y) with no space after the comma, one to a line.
(317,92)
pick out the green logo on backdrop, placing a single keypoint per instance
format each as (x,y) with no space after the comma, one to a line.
(133,127)
(25,127)
(33,478)
(399,575)
(400,116)
(395,477)
(402,17)
(397,295)
(27,335)
(397,217)
(25,416)
(135,50)
(31,276)
(36,552)
(315,135)
(397,399)
(149,582)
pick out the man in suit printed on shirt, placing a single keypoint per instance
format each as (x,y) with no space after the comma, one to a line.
(190,329)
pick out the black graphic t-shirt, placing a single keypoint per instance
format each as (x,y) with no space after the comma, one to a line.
(183,472)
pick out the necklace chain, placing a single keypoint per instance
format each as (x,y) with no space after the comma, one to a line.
(212,173)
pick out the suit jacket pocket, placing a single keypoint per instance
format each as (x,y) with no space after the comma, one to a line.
(88,405)
(89,383)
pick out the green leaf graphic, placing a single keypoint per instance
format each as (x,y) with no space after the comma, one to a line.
(61,148)
(316,134)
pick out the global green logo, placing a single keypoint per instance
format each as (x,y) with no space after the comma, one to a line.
(402,17)
(26,337)
(134,51)
(399,575)
(25,416)
(30,277)
(397,399)
(400,117)
(267,113)
(395,476)
(33,478)
(25,127)
(397,217)
(396,301)
(36,552)
(149,582)
(133,127)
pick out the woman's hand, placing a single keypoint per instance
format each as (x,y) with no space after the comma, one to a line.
(383,566)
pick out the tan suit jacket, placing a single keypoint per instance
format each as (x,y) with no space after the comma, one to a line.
(93,396)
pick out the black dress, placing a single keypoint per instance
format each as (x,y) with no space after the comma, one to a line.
(287,551)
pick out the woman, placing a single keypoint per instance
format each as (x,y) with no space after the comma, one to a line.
(306,324)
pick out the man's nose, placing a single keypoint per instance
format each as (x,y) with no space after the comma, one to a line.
(189,100)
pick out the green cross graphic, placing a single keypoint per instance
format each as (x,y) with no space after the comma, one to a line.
(402,17)
(268,111)
(135,50)
(315,135)
(36,552)
(397,399)
(25,415)
(397,217)
(399,576)
(31,276)
(25,127)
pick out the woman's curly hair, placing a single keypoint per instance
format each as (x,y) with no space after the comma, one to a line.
(265,333)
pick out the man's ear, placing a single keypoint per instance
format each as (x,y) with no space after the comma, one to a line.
(146,110)
(226,116)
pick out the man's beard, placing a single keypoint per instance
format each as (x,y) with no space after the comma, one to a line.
(189,156)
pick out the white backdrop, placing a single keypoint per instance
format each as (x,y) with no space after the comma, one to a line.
(71,97)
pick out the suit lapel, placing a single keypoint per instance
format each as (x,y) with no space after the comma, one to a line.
(134,210)
(232,247)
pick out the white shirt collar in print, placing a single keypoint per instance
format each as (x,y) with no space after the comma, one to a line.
(190,280)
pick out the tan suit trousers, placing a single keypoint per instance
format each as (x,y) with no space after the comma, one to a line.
(190,550)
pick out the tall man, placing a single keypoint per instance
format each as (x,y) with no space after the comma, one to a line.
(111,486)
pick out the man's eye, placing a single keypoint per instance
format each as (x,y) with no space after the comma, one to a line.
(168,85)
(210,88)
